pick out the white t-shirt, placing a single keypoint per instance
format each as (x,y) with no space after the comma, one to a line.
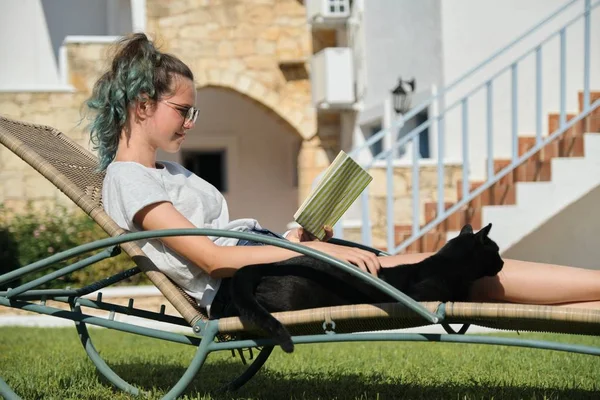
(129,186)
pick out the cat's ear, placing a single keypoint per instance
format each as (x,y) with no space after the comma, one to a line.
(484,232)
(466,229)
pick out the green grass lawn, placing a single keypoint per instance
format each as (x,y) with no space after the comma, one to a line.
(51,364)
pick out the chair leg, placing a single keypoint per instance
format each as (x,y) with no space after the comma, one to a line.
(197,362)
(6,392)
(100,364)
(250,371)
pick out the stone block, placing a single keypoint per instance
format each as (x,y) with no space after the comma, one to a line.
(243,84)
(271,33)
(225,49)
(257,91)
(243,47)
(271,100)
(37,187)
(11,162)
(260,62)
(226,15)
(214,76)
(257,15)
(235,65)
(228,78)
(13,186)
(290,8)
(12,109)
(264,46)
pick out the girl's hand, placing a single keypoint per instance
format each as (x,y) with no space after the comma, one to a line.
(298,235)
(363,259)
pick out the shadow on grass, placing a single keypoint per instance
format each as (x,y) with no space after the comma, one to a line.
(268,384)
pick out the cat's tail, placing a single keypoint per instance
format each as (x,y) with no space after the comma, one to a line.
(243,285)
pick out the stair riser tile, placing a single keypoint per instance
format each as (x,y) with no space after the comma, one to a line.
(554,124)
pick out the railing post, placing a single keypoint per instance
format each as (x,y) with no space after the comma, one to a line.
(563,78)
(440,169)
(416,170)
(366,218)
(538,95)
(490,130)
(515,113)
(586,55)
(391,240)
(465,148)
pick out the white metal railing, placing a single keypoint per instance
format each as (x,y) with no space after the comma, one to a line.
(461,106)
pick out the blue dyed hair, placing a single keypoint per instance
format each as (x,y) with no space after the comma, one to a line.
(138,71)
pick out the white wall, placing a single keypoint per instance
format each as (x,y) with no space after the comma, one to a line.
(32,32)
(569,238)
(261,154)
(86,17)
(473,30)
(25,48)
(403,38)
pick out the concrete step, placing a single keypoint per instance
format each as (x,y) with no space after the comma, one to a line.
(592,146)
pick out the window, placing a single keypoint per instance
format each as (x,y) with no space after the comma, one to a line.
(411,124)
(377,147)
(209,165)
(369,131)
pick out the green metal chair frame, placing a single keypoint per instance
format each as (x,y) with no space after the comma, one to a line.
(72,169)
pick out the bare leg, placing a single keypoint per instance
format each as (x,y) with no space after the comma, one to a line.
(528,283)
(586,304)
(536,283)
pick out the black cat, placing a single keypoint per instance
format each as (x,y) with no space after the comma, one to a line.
(303,282)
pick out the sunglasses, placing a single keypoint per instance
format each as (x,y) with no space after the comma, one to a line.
(189,114)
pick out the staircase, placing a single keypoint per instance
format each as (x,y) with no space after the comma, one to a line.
(544,174)
(529,195)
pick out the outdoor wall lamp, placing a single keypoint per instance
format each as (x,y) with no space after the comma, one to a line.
(402,94)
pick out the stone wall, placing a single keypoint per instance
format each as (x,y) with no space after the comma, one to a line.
(19,182)
(260,48)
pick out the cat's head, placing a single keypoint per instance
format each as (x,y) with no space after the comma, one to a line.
(475,253)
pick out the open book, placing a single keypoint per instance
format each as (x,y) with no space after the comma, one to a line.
(341,184)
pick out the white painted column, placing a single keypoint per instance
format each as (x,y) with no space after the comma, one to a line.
(138,15)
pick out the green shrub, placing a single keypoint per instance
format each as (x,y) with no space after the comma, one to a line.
(35,235)
(9,256)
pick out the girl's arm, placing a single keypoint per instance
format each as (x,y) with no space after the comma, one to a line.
(222,261)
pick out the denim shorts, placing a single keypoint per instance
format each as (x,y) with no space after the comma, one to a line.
(221,304)
(266,232)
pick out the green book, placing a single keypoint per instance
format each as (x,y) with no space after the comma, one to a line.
(343,181)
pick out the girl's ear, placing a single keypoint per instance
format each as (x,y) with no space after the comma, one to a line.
(144,107)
